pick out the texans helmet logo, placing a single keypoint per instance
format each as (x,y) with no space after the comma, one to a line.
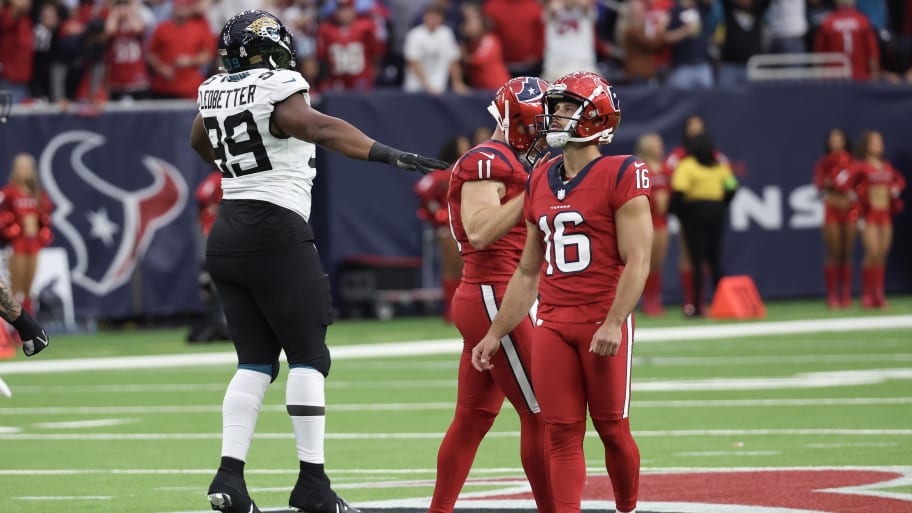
(107,236)
(531,91)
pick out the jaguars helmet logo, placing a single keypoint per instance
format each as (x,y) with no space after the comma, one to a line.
(265,27)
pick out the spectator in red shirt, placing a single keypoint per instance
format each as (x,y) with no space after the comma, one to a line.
(127,73)
(178,50)
(520,27)
(482,54)
(17,48)
(348,49)
(849,32)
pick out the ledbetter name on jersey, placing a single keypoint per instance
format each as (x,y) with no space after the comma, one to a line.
(236,111)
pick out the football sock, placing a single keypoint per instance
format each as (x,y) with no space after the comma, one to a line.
(568,465)
(240,410)
(305,401)
(533,445)
(622,460)
(456,453)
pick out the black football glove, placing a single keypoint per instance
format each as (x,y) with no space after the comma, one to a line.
(404,160)
(34,338)
(420,163)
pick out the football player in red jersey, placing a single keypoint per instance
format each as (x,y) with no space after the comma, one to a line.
(878,185)
(832,176)
(587,257)
(485,203)
(693,125)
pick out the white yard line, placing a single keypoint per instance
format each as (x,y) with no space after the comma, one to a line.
(454,346)
(439,436)
(280,408)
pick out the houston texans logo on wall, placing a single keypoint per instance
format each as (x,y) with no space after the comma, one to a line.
(107,236)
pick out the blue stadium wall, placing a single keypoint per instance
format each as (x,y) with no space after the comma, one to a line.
(124,184)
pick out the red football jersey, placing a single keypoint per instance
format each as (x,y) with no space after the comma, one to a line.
(490,160)
(485,65)
(349,53)
(848,31)
(576,220)
(127,61)
(832,171)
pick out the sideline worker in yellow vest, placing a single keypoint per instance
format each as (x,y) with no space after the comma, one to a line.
(702,188)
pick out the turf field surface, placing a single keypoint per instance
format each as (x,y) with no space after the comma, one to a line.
(797,417)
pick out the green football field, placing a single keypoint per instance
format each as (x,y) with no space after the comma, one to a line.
(129,421)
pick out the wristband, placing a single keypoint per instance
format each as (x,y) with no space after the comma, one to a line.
(380,152)
(24,321)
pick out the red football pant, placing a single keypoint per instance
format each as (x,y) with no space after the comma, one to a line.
(480,396)
(568,378)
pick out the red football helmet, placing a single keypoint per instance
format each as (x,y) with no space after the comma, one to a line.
(517,104)
(597,117)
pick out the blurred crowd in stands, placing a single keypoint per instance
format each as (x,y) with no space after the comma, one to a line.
(60,51)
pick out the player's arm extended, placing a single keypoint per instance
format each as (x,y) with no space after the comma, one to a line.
(634,239)
(485,220)
(293,116)
(518,299)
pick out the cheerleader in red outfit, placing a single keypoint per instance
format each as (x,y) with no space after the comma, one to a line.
(25,222)
(432,193)
(650,150)
(878,185)
(833,177)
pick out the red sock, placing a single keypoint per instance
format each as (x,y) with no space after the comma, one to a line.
(878,278)
(568,465)
(831,277)
(867,282)
(845,282)
(449,289)
(687,287)
(455,456)
(27,304)
(533,444)
(622,460)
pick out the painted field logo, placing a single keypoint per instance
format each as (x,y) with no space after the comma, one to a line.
(736,491)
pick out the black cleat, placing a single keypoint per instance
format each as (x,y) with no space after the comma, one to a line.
(331,504)
(228,493)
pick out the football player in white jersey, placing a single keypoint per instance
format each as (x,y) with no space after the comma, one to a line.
(256,125)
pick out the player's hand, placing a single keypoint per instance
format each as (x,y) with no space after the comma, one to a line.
(606,341)
(483,351)
(34,338)
(420,163)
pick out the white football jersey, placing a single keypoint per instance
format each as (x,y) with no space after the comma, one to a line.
(256,165)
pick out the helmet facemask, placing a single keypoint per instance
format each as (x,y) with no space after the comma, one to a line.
(586,123)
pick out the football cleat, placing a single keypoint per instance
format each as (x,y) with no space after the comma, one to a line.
(228,493)
(297,502)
